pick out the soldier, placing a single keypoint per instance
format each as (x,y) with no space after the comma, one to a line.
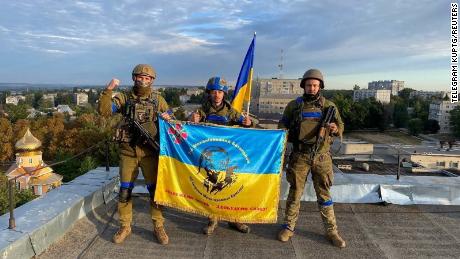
(302,117)
(143,105)
(219,111)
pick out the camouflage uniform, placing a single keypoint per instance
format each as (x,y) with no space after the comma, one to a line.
(134,152)
(301,118)
(222,115)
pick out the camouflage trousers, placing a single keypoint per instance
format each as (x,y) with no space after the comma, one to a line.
(300,165)
(128,173)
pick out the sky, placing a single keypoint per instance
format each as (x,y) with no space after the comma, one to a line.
(187,42)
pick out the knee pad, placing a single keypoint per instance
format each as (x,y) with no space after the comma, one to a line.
(124,195)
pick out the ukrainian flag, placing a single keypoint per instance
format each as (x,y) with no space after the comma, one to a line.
(242,91)
(231,173)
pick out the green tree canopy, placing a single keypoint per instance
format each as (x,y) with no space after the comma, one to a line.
(415,126)
(455,121)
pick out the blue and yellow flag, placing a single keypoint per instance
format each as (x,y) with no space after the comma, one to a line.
(242,91)
(231,173)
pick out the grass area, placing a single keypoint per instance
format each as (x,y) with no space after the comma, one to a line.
(392,137)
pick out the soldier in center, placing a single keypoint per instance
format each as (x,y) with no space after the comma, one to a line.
(302,118)
(143,105)
(217,110)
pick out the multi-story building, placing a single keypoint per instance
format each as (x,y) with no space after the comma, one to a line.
(184,98)
(394,85)
(194,91)
(382,96)
(440,111)
(14,99)
(270,96)
(273,103)
(50,98)
(80,98)
(428,94)
(278,86)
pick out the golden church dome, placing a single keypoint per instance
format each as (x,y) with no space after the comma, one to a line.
(28,142)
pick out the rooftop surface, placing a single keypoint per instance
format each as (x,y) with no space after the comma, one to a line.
(371,231)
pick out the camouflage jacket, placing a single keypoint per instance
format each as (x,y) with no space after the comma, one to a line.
(302,120)
(223,115)
(109,105)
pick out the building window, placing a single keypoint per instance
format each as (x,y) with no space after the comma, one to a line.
(30,160)
(443,164)
(39,189)
(454,165)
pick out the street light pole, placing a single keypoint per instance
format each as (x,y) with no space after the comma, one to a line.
(12,221)
(399,167)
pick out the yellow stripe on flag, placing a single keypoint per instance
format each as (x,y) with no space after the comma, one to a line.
(181,186)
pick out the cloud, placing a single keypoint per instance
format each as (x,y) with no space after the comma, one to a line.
(342,37)
(89,7)
(4,29)
(55,37)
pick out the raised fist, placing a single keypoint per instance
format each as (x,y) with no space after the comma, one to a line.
(113,84)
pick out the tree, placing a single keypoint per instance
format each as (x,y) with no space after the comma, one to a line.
(405,93)
(421,109)
(356,87)
(6,138)
(171,96)
(455,121)
(87,164)
(200,98)
(20,196)
(431,126)
(359,112)
(415,126)
(37,97)
(44,104)
(400,114)
(344,106)
(64,98)
(375,117)
(16,112)
(180,114)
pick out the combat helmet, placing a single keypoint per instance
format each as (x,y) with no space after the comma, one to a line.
(217,83)
(144,69)
(312,74)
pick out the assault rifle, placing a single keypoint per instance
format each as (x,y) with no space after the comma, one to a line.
(330,115)
(139,133)
(147,138)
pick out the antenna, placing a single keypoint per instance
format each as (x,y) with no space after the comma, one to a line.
(281,65)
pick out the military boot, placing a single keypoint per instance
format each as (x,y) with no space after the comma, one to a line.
(121,234)
(330,225)
(285,234)
(160,233)
(336,239)
(243,228)
(209,229)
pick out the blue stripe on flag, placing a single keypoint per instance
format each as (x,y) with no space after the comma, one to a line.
(238,145)
(245,69)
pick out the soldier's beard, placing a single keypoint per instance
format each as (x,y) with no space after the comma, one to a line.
(142,88)
(310,97)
